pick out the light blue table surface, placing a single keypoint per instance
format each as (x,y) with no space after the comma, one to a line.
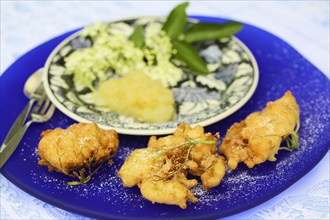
(303,24)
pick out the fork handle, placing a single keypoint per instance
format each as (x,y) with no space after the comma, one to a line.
(8,148)
(19,122)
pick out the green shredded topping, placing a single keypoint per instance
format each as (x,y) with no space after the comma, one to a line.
(113,52)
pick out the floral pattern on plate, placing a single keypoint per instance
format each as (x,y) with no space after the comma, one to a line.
(199,99)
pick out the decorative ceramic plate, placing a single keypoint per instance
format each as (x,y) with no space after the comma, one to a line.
(199,99)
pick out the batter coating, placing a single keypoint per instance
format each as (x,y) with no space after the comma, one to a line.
(160,170)
(258,138)
(78,150)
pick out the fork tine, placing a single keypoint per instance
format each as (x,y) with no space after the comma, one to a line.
(38,117)
(38,106)
(45,106)
(50,111)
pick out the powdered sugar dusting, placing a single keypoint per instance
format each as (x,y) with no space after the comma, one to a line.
(104,182)
(238,186)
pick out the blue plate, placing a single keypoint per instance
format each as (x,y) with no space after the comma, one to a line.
(281,68)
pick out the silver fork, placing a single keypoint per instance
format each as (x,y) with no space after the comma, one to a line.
(41,112)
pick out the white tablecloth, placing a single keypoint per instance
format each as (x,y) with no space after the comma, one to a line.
(303,24)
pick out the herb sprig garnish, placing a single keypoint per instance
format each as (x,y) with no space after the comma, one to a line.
(180,158)
(81,172)
(81,176)
(291,140)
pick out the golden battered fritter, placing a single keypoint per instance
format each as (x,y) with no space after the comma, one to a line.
(258,137)
(78,150)
(160,169)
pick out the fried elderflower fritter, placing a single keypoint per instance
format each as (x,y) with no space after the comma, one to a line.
(160,170)
(78,151)
(258,138)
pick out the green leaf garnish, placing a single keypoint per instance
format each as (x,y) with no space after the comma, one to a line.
(211,31)
(186,53)
(292,140)
(175,26)
(176,21)
(137,36)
